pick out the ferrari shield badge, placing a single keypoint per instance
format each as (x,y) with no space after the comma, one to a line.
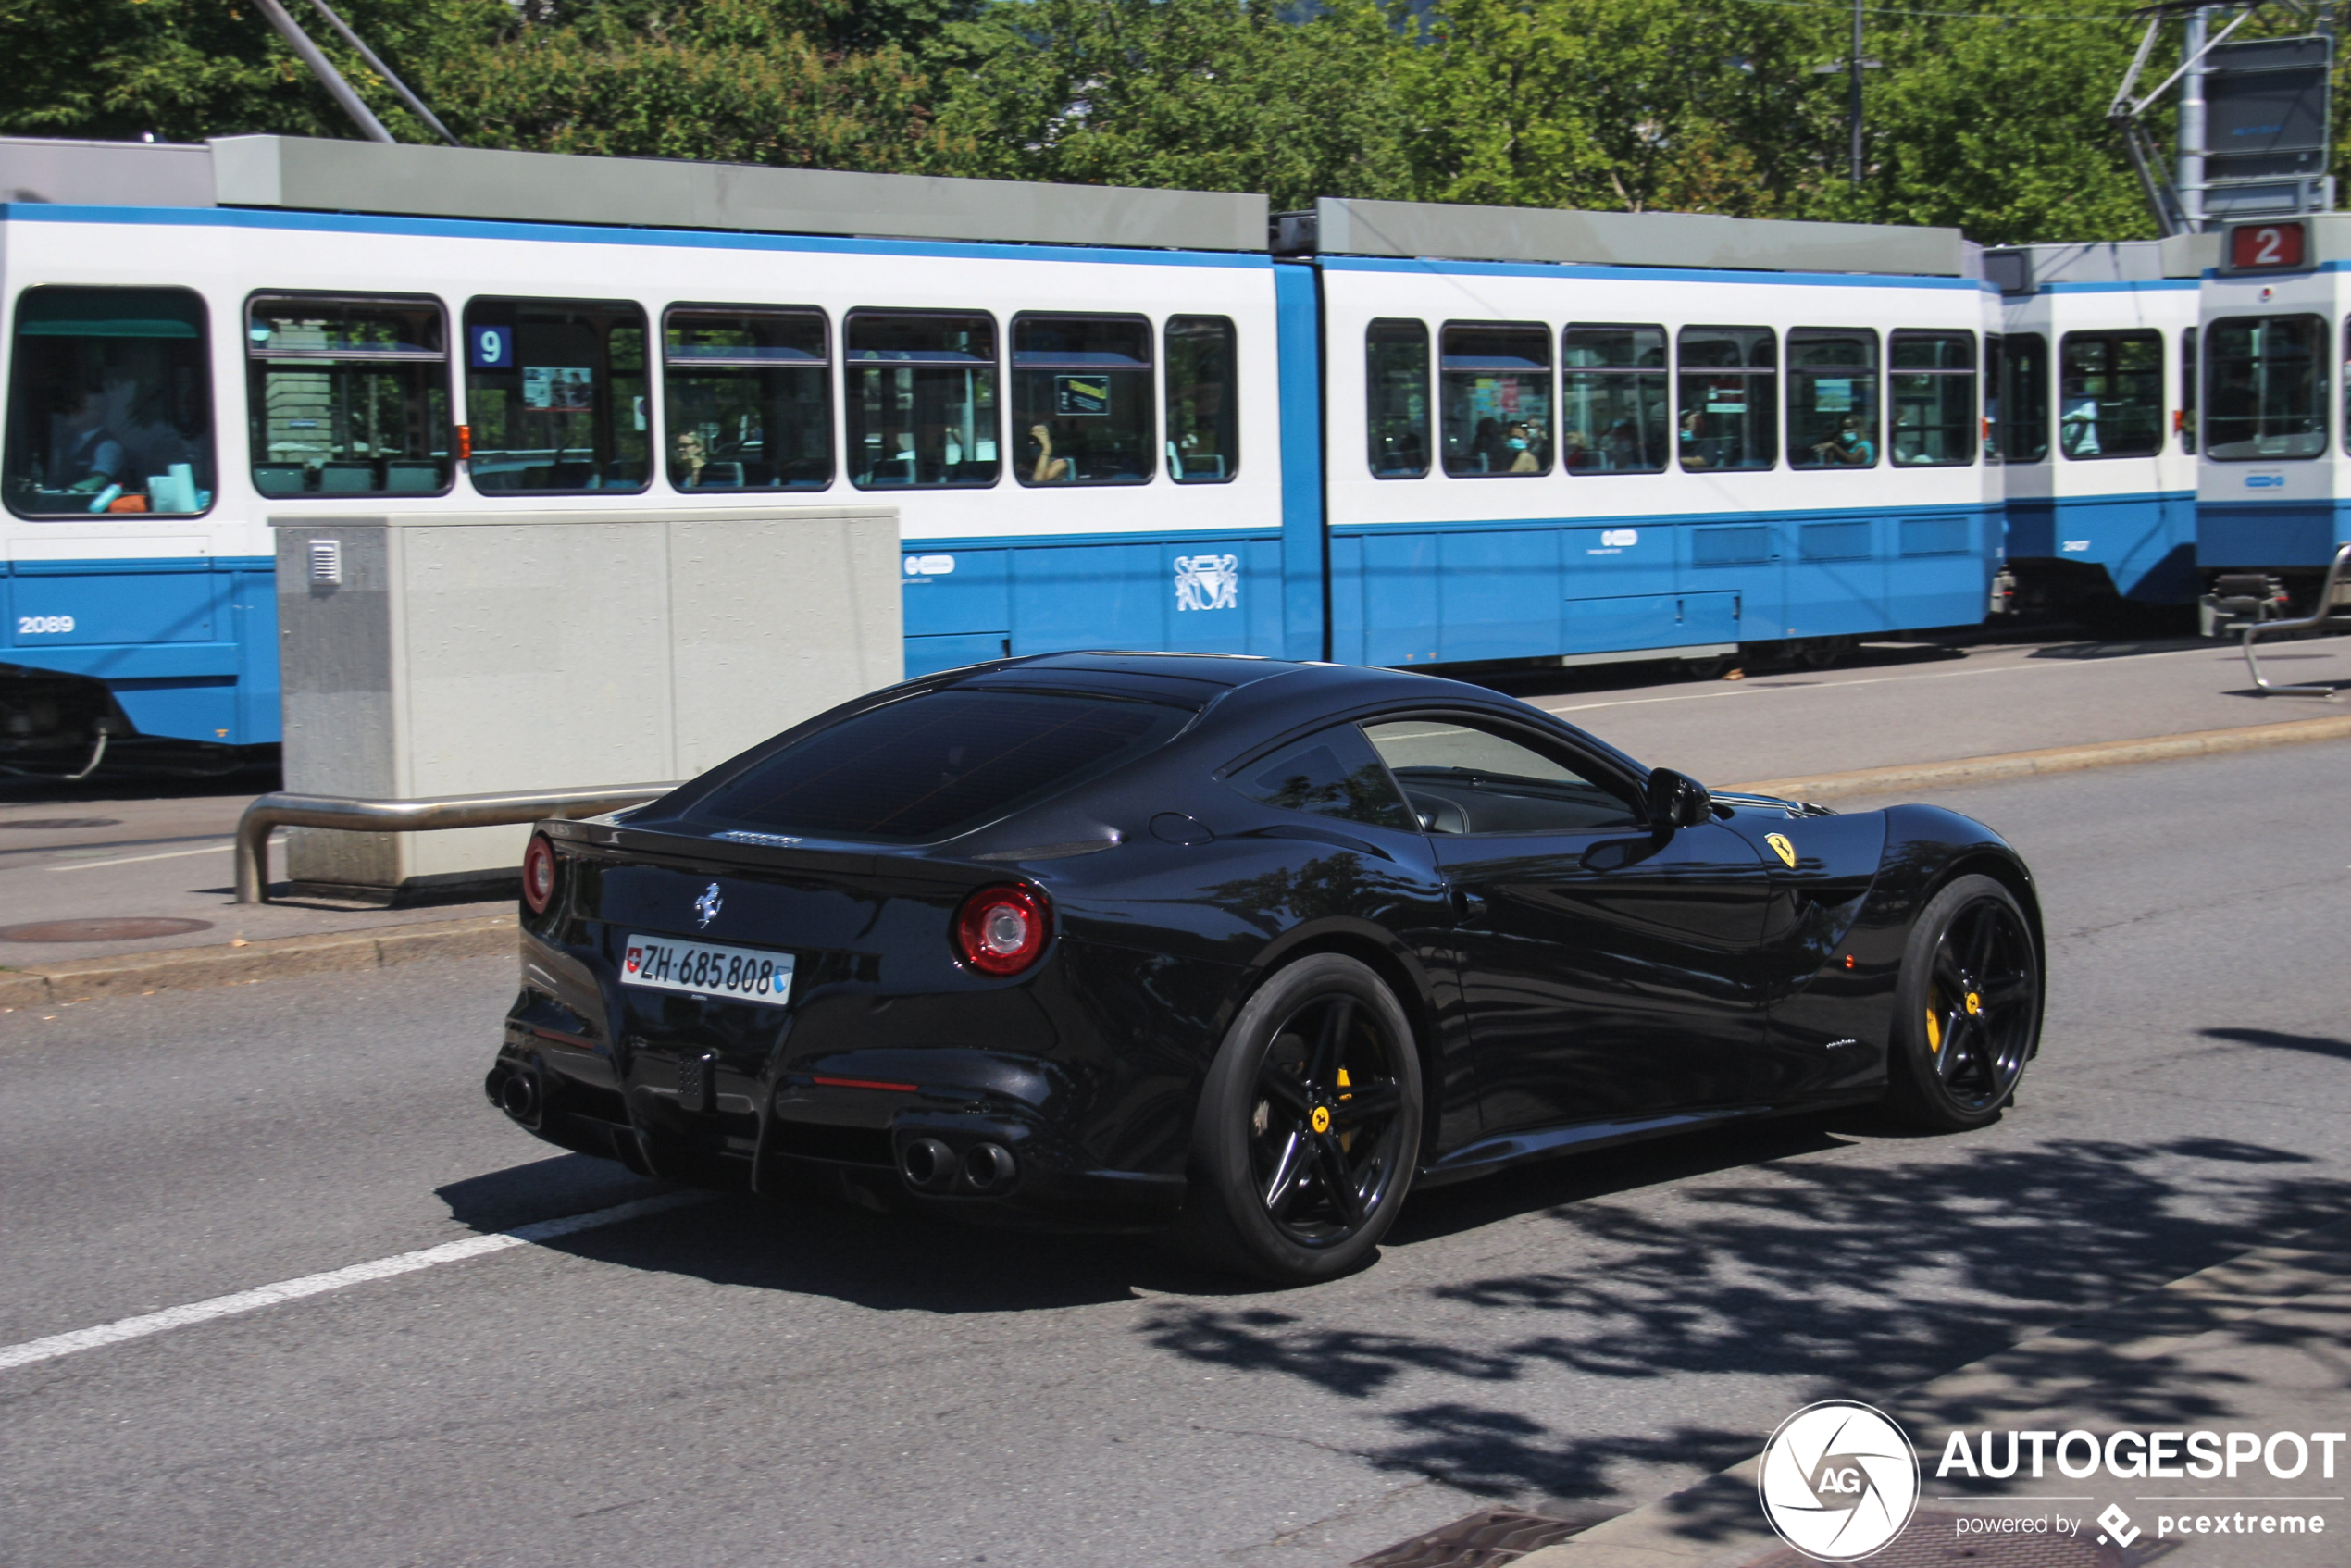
(1781,847)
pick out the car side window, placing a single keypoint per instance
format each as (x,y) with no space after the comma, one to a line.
(1466,778)
(1331,773)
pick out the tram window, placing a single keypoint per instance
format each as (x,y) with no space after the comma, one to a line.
(1993,358)
(921,399)
(1494,383)
(1730,398)
(2111,401)
(1396,398)
(1933,394)
(2022,419)
(1832,398)
(348,396)
(109,404)
(2265,395)
(1203,400)
(1082,398)
(747,398)
(2187,391)
(1612,400)
(555,394)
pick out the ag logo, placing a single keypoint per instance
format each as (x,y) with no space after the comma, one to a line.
(1839,1480)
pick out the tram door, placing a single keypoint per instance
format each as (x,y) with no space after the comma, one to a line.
(1737,579)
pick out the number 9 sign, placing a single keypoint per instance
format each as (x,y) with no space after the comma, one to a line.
(490,348)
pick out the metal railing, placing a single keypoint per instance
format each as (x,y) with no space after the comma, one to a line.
(271,812)
(2254,626)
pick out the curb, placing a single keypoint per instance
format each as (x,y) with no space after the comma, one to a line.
(489,935)
(1716,1524)
(2049,759)
(192,969)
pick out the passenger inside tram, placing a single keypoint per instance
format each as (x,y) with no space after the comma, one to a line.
(87,458)
(108,404)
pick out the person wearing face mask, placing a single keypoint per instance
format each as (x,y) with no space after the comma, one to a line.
(1521,448)
(1849,448)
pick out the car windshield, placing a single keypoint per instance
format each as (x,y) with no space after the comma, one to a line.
(936,765)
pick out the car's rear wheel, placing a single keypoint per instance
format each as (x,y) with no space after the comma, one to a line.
(1968,1009)
(1308,1127)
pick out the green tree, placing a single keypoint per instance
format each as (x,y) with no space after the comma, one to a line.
(1997,126)
(735,80)
(1203,95)
(185,70)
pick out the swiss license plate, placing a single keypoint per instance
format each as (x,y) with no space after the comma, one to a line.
(740,973)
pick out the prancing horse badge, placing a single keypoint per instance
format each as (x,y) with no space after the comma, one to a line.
(1781,847)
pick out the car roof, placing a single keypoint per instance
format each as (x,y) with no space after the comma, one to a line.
(1247,689)
(1213,669)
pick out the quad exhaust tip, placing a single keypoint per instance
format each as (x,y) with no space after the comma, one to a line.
(926,1163)
(518,1097)
(929,1165)
(989,1167)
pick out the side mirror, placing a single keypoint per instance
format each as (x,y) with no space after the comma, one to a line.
(1675,800)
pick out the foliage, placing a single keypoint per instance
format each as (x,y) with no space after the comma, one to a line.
(1204,94)
(1993,122)
(185,70)
(737,80)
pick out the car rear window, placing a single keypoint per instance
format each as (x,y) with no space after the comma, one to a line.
(929,767)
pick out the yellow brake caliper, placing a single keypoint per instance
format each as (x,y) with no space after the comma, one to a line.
(1933,1029)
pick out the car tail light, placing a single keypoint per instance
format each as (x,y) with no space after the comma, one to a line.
(1000,930)
(538,874)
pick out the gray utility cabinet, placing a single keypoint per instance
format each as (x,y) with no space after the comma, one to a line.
(467,653)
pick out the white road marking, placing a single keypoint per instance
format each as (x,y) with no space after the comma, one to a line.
(1752,688)
(139,1327)
(136,859)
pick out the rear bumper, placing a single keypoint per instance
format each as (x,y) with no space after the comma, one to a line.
(1086,1122)
(819,1137)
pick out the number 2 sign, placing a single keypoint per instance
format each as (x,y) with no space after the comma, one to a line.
(2266,244)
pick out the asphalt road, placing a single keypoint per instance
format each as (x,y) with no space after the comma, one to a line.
(733,1384)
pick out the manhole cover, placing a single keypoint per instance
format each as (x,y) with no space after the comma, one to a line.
(50,824)
(1490,1540)
(125,928)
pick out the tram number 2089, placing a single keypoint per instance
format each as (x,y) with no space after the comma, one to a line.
(41,626)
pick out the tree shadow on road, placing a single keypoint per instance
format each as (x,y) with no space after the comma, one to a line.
(1759,1252)
(1847,1279)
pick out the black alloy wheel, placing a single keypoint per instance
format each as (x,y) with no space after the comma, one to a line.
(1970,1007)
(1309,1125)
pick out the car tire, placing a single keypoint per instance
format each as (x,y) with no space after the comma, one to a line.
(1309,1126)
(1967,1009)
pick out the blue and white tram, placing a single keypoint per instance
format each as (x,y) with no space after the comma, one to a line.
(2096,423)
(2273,486)
(1106,418)
(1588,450)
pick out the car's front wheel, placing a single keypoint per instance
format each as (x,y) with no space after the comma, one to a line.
(1308,1128)
(1968,1009)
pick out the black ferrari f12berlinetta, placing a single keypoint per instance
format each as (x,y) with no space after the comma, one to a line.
(1243,947)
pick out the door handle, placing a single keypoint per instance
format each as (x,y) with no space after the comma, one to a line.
(1467,907)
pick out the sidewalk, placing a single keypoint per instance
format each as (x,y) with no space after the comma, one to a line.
(66,855)
(2256,1344)
(1921,702)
